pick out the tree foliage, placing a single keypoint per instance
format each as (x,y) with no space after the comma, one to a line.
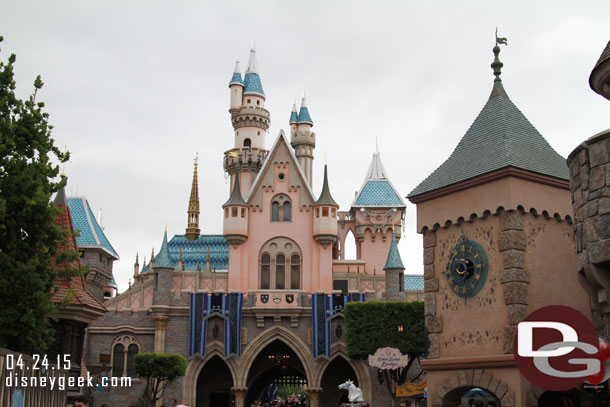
(29,237)
(159,370)
(373,325)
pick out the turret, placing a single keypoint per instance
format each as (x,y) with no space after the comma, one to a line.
(235,223)
(302,139)
(325,216)
(237,89)
(250,122)
(136,269)
(394,272)
(163,259)
(192,230)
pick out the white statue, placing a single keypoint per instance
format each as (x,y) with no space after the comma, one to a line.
(355,393)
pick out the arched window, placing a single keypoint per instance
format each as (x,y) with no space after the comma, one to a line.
(295,272)
(280,265)
(118,360)
(132,350)
(287,211)
(275,211)
(280,272)
(281,208)
(265,271)
(123,353)
(247,142)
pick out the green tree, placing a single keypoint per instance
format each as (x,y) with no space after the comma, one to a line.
(396,324)
(29,237)
(159,370)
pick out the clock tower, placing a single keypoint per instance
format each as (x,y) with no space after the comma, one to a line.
(498,244)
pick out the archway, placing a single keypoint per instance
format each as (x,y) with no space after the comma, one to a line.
(338,371)
(349,249)
(214,384)
(277,363)
(469,396)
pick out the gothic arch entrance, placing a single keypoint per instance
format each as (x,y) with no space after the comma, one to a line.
(276,363)
(338,371)
(214,384)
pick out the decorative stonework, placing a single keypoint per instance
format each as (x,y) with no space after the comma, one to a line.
(590,182)
(514,277)
(481,339)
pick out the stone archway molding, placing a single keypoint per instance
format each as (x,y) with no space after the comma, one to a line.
(474,378)
(361,369)
(194,366)
(263,340)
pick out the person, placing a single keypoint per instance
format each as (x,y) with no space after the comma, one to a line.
(81,401)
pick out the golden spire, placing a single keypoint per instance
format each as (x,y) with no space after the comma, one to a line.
(192,229)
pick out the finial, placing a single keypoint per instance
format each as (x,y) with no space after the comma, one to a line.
(376,146)
(208,255)
(137,254)
(166,228)
(180,256)
(324,157)
(497,64)
(152,256)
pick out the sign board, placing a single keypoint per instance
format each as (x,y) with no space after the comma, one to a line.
(410,389)
(388,358)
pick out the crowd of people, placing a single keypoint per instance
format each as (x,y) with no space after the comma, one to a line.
(290,401)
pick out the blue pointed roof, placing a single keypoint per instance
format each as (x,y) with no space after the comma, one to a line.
(90,232)
(112,283)
(294,117)
(236,79)
(253,85)
(304,116)
(163,259)
(195,252)
(394,261)
(377,189)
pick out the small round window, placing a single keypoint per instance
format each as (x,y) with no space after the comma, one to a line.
(281,176)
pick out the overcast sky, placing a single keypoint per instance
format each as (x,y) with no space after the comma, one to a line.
(135,88)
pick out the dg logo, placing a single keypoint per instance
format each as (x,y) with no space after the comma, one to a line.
(557,348)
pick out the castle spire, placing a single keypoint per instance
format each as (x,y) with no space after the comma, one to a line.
(192,230)
(164,259)
(325,196)
(252,64)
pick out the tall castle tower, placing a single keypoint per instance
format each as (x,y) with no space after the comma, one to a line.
(250,121)
(498,245)
(302,139)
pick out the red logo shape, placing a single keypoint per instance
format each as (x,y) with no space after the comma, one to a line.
(571,345)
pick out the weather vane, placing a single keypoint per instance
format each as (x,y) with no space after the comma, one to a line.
(501,40)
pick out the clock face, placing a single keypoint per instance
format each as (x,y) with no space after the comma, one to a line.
(467,268)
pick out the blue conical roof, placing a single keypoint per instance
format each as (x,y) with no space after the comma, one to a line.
(294,117)
(252,81)
(236,78)
(163,259)
(304,116)
(394,261)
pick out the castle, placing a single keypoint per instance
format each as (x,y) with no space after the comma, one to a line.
(242,306)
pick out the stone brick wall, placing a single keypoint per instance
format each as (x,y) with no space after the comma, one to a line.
(590,182)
